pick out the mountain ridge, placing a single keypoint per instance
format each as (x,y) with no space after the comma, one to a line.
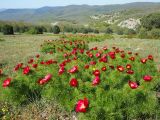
(78,13)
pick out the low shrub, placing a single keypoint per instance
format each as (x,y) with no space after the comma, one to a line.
(35,30)
(7,30)
(95,83)
(129,32)
(56,29)
(154,33)
(108,31)
(143,33)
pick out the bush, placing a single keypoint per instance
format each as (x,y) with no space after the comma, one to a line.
(35,30)
(7,30)
(130,32)
(143,33)
(102,83)
(56,29)
(151,21)
(119,31)
(154,33)
(74,31)
(108,31)
(85,31)
(96,31)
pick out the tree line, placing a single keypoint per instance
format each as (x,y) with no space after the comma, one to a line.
(149,28)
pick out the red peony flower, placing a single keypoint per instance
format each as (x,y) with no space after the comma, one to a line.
(96,72)
(143,60)
(41,81)
(96,81)
(98,55)
(35,65)
(61,70)
(37,56)
(112,55)
(92,62)
(48,77)
(73,82)
(147,78)
(31,61)
(65,55)
(95,48)
(81,51)
(133,85)
(74,51)
(48,62)
(82,105)
(42,62)
(51,52)
(117,50)
(26,70)
(74,69)
(132,58)
(150,57)
(129,52)
(0,71)
(86,66)
(45,79)
(105,48)
(103,59)
(104,68)
(130,71)
(122,55)
(75,58)
(18,66)
(6,82)
(90,55)
(87,52)
(120,68)
(128,66)
(111,66)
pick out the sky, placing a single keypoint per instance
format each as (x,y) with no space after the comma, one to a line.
(42,3)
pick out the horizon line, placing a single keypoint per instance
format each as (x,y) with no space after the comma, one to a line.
(81,5)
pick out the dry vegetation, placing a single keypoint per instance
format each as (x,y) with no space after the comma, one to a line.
(142,46)
(17,48)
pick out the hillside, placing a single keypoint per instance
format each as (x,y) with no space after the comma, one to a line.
(77,13)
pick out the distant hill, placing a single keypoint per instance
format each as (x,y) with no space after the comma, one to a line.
(76,13)
(2,10)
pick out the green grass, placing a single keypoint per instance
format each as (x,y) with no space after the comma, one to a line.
(17,48)
(142,46)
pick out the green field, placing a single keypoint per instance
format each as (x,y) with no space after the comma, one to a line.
(142,46)
(17,48)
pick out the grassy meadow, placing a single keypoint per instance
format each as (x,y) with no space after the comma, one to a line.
(141,46)
(17,48)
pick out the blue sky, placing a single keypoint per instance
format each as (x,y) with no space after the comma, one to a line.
(41,3)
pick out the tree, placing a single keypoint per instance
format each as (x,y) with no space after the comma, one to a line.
(119,31)
(84,31)
(129,31)
(7,30)
(151,21)
(108,31)
(36,30)
(96,31)
(56,29)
